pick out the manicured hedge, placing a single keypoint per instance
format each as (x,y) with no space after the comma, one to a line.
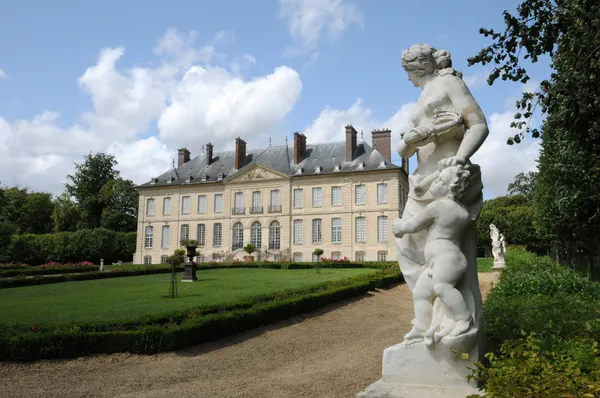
(139,269)
(542,323)
(83,245)
(34,271)
(179,330)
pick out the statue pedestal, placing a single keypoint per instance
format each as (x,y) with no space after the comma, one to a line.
(419,371)
(189,272)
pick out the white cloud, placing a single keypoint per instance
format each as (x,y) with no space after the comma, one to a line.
(3,74)
(477,79)
(312,20)
(192,97)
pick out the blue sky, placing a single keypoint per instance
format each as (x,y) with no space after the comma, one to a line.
(141,78)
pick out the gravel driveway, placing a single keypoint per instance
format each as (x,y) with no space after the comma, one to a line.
(334,352)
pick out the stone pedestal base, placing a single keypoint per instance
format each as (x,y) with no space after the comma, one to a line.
(189,273)
(498,265)
(381,389)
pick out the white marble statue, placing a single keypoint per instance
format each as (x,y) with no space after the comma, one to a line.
(498,246)
(436,240)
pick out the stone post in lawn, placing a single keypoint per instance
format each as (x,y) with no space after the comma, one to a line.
(435,238)
(101,264)
(189,267)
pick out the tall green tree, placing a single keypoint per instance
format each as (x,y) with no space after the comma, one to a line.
(121,200)
(567,192)
(37,213)
(86,186)
(523,184)
(66,215)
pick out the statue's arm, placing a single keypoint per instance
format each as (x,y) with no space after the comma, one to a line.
(407,150)
(425,183)
(420,221)
(472,115)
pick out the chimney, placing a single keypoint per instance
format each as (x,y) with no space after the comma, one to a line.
(382,142)
(299,147)
(240,153)
(209,153)
(183,156)
(350,143)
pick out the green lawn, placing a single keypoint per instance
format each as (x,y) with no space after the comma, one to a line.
(129,297)
(485,264)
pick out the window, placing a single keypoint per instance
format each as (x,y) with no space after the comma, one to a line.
(202,204)
(185,205)
(275,198)
(315,258)
(238,201)
(298,232)
(256,234)
(201,234)
(166,206)
(317,230)
(256,200)
(217,234)
(164,259)
(359,256)
(297,258)
(382,193)
(336,196)
(298,198)
(148,237)
(336,230)
(382,229)
(147,260)
(238,236)
(185,232)
(382,256)
(361,230)
(274,235)
(150,207)
(219,203)
(336,255)
(359,194)
(317,197)
(166,237)
(277,257)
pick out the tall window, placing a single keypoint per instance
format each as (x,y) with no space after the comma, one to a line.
(359,256)
(148,237)
(361,230)
(164,259)
(298,198)
(150,207)
(201,234)
(256,200)
(317,230)
(147,260)
(382,193)
(274,235)
(360,194)
(238,201)
(166,237)
(185,205)
(336,230)
(219,203)
(336,196)
(298,232)
(238,236)
(382,256)
(217,234)
(185,232)
(336,255)
(256,234)
(276,198)
(382,229)
(297,258)
(202,204)
(317,197)
(166,206)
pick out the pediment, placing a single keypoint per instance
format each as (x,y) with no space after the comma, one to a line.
(257,173)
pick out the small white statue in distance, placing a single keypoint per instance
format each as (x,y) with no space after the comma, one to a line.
(446,219)
(498,246)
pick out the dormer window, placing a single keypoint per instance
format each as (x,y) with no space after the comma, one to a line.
(219,176)
(361,166)
(337,167)
(153,181)
(204,177)
(300,171)
(170,180)
(382,164)
(318,169)
(188,179)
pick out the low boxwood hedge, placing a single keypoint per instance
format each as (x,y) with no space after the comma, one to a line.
(34,271)
(138,270)
(178,330)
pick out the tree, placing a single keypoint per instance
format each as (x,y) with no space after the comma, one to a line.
(121,205)
(87,183)
(567,191)
(66,214)
(523,184)
(13,210)
(37,213)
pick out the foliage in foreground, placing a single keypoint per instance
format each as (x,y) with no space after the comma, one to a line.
(181,329)
(542,325)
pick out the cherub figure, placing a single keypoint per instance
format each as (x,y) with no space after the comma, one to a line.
(446,219)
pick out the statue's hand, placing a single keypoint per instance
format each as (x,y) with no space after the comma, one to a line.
(443,116)
(417,134)
(451,161)
(397,228)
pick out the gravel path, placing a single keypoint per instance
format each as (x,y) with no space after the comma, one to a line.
(334,352)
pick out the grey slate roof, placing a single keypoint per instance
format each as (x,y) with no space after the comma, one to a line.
(319,159)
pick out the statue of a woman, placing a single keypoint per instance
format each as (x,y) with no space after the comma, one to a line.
(446,128)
